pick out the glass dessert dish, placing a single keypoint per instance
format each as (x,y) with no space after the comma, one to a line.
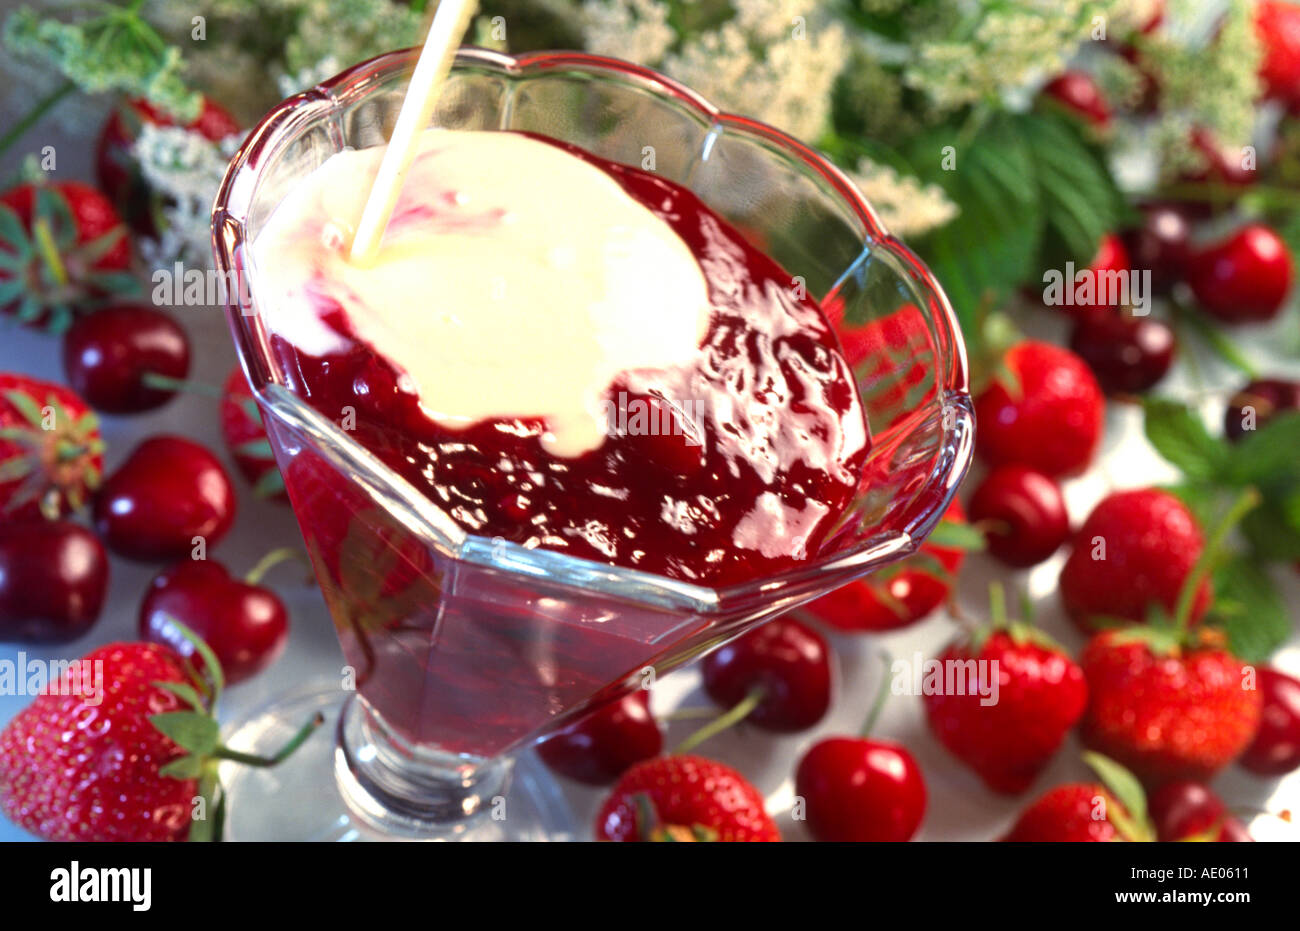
(461,649)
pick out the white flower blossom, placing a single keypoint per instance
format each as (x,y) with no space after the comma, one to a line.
(635,30)
(906,206)
(185,170)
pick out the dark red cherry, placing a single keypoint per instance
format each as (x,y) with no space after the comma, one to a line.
(1160,244)
(53,577)
(1022,514)
(597,748)
(1276,749)
(169,491)
(246,625)
(1128,354)
(857,789)
(788,662)
(1079,93)
(1188,810)
(1244,278)
(108,354)
(1258,403)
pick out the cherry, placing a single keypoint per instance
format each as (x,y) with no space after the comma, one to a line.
(599,747)
(1160,244)
(1266,398)
(1222,165)
(1277,24)
(1128,354)
(1188,811)
(108,354)
(169,491)
(53,577)
(1023,513)
(1276,749)
(856,789)
(1244,278)
(246,625)
(1079,93)
(1111,258)
(783,666)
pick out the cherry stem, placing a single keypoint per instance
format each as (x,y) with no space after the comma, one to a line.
(249,759)
(882,696)
(734,715)
(998,606)
(1225,348)
(49,250)
(1247,500)
(167,383)
(272,559)
(34,115)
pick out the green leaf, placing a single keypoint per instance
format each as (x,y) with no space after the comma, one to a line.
(1271,534)
(185,767)
(1179,435)
(1268,453)
(191,730)
(269,485)
(957,536)
(1249,609)
(1202,499)
(1121,783)
(257,449)
(991,246)
(186,692)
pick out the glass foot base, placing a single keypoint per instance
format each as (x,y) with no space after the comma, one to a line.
(312,796)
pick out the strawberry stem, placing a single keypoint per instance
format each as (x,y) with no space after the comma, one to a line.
(49,251)
(734,715)
(882,696)
(1245,502)
(998,606)
(270,561)
(250,759)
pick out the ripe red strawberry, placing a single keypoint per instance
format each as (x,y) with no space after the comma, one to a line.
(245,437)
(684,796)
(1149,541)
(1047,415)
(116,751)
(897,595)
(51,454)
(63,251)
(1072,813)
(116,168)
(1278,25)
(1167,710)
(1041,695)
(71,770)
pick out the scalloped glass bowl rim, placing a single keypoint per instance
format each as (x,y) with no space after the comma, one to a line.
(424,518)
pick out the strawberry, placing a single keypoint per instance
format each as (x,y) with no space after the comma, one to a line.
(115,165)
(51,454)
(1113,809)
(63,251)
(1072,813)
(1134,550)
(126,756)
(245,436)
(71,771)
(898,595)
(673,797)
(1278,25)
(1041,694)
(1167,708)
(1043,410)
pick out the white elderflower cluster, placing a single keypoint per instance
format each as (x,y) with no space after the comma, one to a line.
(906,206)
(635,30)
(184,169)
(1011,46)
(775,60)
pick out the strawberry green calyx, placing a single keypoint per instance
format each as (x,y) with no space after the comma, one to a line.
(1129,816)
(197,732)
(55,457)
(1020,631)
(648,827)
